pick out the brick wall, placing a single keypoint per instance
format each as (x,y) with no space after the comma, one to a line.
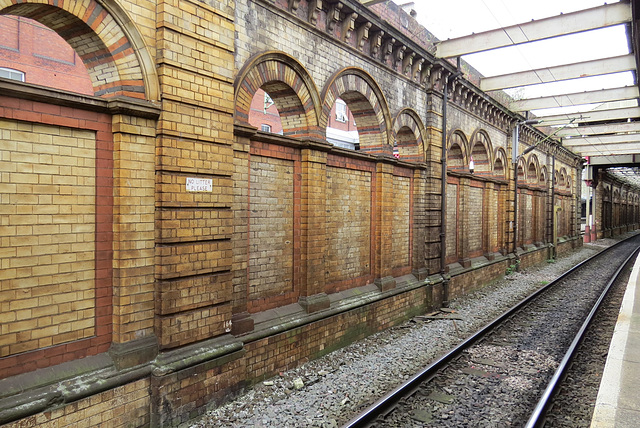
(476,221)
(401,241)
(271,207)
(348,224)
(124,406)
(57,185)
(187,393)
(193,250)
(48,190)
(452,223)
(527,216)
(178,267)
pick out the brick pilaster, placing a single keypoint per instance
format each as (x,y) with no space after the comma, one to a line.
(466,222)
(384,227)
(241,322)
(194,249)
(312,230)
(133,256)
(490,215)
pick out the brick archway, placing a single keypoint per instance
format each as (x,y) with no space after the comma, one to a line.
(457,151)
(367,104)
(101,33)
(533,170)
(408,131)
(481,151)
(500,169)
(290,87)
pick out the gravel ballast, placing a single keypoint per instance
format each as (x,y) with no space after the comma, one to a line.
(329,391)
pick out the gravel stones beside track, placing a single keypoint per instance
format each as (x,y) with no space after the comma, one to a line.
(343,383)
(573,406)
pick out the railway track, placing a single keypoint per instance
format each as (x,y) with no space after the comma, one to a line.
(506,373)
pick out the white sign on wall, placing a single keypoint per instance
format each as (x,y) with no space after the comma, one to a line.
(199,184)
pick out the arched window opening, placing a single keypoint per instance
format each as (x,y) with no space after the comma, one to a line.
(521,175)
(559,179)
(498,168)
(455,159)
(342,130)
(543,177)
(407,145)
(481,159)
(481,151)
(33,53)
(366,112)
(456,153)
(264,114)
(532,174)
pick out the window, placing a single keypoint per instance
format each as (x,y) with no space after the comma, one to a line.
(265,128)
(341,111)
(10,73)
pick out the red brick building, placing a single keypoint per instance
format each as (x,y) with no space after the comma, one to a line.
(33,53)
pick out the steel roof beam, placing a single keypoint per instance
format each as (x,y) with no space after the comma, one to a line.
(568,23)
(602,139)
(616,160)
(595,67)
(606,150)
(371,2)
(608,128)
(577,98)
(592,116)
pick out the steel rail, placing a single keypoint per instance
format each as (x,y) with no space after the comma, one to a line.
(385,404)
(537,416)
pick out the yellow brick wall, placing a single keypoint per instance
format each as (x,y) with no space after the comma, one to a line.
(47,235)
(193,229)
(133,236)
(348,224)
(452,221)
(400,241)
(270,227)
(476,218)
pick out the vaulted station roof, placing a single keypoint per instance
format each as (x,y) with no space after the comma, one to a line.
(602,124)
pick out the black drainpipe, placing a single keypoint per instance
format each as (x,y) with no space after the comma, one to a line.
(553,203)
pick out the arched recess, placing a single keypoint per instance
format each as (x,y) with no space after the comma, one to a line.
(543,177)
(106,39)
(408,131)
(560,179)
(290,87)
(521,171)
(457,151)
(499,163)
(533,170)
(368,105)
(481,151)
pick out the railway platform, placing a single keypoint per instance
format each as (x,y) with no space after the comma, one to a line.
(618,402)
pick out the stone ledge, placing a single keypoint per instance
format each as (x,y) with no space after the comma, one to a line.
(115,105)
